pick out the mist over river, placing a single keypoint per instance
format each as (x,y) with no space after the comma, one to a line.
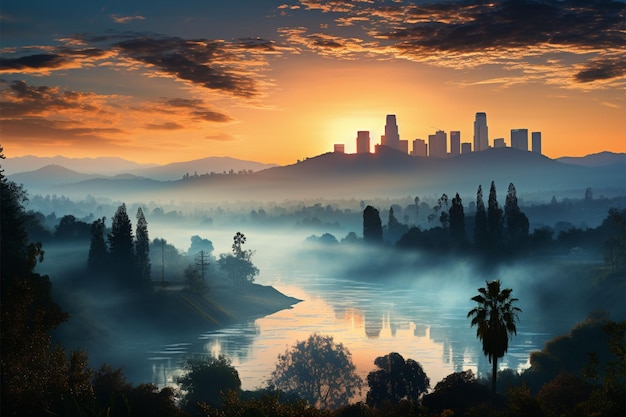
(425,321)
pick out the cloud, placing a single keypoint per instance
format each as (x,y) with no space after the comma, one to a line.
(125,19)
(461,34)
(41,131)
(164,126)
(44,63)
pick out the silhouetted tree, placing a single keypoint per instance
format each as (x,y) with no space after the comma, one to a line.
(480,221)
(456,393)
(615,242)
(238,266)
(142,249)
(98,259)
(516,221)
(494,219)
(395,229)
(319,371)
(372,227)
(417,210)
(70,228)
(121,245)
(206,380)
(442,205)
(494,319)
(457,220)
(395,380)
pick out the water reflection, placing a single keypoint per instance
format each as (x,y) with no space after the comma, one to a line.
(370,319)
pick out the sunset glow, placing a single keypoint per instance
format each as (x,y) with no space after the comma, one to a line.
(284,81)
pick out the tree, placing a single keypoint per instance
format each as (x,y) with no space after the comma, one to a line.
(319,371)
(480,222)
(494,319)
(457,220)
(142,249)
(494,219)
(98,259)
(121,244)
(206,380)
(516,222)
(395,380)
(372,227)
(442,205)
(238,266)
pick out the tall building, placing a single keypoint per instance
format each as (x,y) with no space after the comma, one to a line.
(339,148)
(536,142)
(404,146)
(455,142)
(391,137)
(419,148)
(499,143)
(481,133)
(438,144)
(363,141)
(466,147)
(519,139)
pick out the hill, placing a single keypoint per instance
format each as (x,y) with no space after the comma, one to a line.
(100,165)
(177,170)
(594,160)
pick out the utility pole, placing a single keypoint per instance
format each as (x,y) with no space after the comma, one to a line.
(202,263)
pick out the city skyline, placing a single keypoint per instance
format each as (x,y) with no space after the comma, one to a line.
(280,81)
(438,145)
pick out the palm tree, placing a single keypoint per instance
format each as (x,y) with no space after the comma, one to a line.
(494,318)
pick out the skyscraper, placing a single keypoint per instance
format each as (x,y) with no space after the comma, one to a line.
(437,144)
(419,148)
(363,141)
(455,143)
(339,148)
(481,134)
(499,143)
(392,137)
(536,142)
(466,147)
(519,139)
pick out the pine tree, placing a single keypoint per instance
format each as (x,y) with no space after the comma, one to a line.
(121,245)
(98,259)
(372,227)
(457,220)
(494,219)
(142,248)
(516,222)
(480,222)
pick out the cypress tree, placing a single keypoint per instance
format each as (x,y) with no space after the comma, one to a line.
(480,222)
(142,248)
(495,219)
(457,220)
(98,251)
(121,245)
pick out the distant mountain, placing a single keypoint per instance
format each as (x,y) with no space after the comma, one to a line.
(594,160)
(176,170)
(49,176)
(100,165)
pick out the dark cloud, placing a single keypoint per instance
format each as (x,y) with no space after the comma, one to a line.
(200,61)
(196,109)
(37,130)
(164,126)
(37,61)
(602,70)
(210,116)
(20,99)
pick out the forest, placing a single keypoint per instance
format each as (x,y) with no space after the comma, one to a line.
(43,373)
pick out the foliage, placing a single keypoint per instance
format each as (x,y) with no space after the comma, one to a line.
(238,266)
(494,319)
(395,380)
(121,245)
(456,394)
(516,222)
(457,220)
(495,219)
(372,226)
(206,380)
(142,248)
(480,222)
(98,259)
(319,371)
(194,281)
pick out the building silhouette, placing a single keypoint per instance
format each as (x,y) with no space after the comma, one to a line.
(391,138)
(536,142)
(438,145)
(363,141)
(455,142)
(339,148)
(419,148)
(499,143)
(466,147)
(519,139)
(481,133)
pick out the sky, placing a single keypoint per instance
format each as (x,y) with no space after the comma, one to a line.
(275,82)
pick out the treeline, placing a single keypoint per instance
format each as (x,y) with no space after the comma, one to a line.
(492,232)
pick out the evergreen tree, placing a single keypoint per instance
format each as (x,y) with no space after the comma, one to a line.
(142,248)
(98,259)
(457,220)
(372,227)
(495,226)
(444,217)
(121,245)
(516,222)
(480,222)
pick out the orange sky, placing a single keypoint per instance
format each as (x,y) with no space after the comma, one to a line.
(155,87)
